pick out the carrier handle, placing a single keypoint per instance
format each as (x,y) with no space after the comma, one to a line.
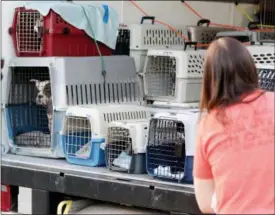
(253,25)
(203,21)
(190,44)
(10,30)
(148,17)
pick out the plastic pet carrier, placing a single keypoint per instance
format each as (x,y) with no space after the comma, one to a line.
(126,146)
(171,146)
(173,75)
(266,77)
(41,89)
(36,35)
(262,54)
(84,130)
(123,42)
(203,34)
(145,36)
(249,36)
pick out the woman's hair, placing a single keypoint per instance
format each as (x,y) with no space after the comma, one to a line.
(229,73)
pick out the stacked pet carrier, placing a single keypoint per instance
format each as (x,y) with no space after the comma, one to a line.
(144,36)
(84,131)
(172,77)
(253,35)
(41,89)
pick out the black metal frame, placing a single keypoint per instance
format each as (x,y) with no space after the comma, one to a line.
(232,1)
(140,194)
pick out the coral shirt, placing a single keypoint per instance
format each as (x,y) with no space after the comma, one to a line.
(239,156)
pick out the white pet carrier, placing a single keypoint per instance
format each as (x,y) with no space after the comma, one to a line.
(38,86)
(249,36)
(266,77)
(202,34)
(84,130)
(146,36)
(173,75)
(262,54)
(171,145)
(126,146)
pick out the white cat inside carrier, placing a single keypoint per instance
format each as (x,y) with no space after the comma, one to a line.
(173,75)
(171,145)
(84,130)
(41,89)
(126,146)
(262,54)
(146,36)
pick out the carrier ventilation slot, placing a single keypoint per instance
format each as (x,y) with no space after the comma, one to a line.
(162,37)
(96,94)
(130,115)
(268,58)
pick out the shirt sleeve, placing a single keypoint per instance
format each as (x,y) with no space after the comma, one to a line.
(201,168)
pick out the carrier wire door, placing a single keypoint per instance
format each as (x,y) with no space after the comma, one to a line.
(27,119)
(173,75)
(266,77)
(171,145)
(148,35)
(126,146)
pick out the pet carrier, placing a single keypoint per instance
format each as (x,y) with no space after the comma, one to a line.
(146,36)
(36,35)
(266,77)
(203,34)
(84,130)
(126,146)
(171,145)
(262,54)
(40,90)
(173,75)
(249,36)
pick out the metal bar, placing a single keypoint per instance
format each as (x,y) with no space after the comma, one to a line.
(144,195)
(231,1)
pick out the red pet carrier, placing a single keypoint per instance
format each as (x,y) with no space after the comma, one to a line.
(35,35)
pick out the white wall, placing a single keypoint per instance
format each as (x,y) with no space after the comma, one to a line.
(176,13)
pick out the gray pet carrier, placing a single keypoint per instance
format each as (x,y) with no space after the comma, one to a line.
(40,90)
